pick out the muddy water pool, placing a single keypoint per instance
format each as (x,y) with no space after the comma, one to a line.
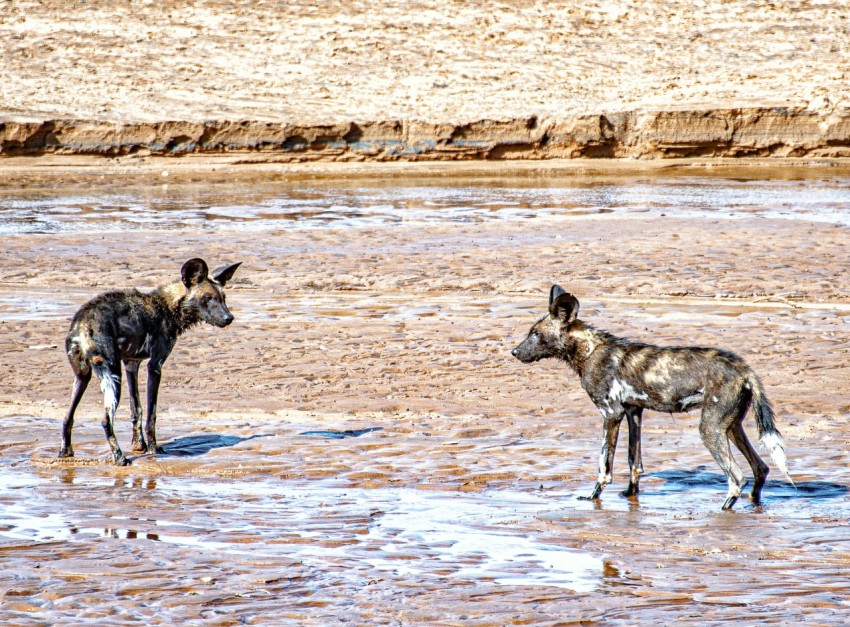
(821,197)
(395,305)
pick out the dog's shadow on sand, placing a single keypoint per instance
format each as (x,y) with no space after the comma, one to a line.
(683,480)
(194,445)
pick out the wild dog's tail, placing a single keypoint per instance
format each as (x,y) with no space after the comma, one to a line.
(80,345)
(110,385)
(85,352)
(769,435)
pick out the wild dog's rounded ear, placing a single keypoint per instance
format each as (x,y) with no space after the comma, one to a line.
(225,273)
(564,308)
(193,272)
(556,291)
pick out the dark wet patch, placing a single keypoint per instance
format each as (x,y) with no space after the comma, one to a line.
(682,479)
(193,445)
(338,435)
(807,490)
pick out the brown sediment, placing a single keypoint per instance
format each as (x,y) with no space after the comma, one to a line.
(643,134)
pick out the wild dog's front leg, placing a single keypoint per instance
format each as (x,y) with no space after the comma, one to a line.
(611,429)
(634,416)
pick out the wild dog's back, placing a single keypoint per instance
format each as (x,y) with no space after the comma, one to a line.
(91,328)
(117,324)
(662,378)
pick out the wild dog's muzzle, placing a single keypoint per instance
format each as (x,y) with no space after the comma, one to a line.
(525,353)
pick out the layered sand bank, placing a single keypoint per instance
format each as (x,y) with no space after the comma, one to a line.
(428,80)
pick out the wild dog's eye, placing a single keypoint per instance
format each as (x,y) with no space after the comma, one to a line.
(535,334)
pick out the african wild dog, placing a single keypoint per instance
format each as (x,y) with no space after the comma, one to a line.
(130,326)
(623,378)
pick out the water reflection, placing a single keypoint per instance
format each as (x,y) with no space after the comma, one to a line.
(118,534)
(402,533)
(286,206)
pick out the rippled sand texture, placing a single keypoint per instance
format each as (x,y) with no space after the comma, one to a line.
(360,305)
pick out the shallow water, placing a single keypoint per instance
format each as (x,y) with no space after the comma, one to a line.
(404,532)
(93,543)
(389,311)
(343,205)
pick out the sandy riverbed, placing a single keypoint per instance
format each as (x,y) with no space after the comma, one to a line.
(462,508)
(360,305)
(433,61)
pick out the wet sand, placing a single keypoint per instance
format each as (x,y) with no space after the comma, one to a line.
(461,509)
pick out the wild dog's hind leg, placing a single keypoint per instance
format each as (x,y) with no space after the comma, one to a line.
(132,370)
(154,377)
(760,469)
(82,373)
(611,429)
(110,384)
(634,415)
(713,428)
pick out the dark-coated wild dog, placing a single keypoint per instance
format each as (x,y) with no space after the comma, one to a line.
(623,378)
(129,326)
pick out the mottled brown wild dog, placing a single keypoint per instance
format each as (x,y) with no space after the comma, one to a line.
(130,326)
(623,378)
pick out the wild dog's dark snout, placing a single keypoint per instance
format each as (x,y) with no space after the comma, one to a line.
(526,351)
(217,314)
(517,352)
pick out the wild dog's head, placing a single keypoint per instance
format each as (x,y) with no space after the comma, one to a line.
(204,301)
(547,337)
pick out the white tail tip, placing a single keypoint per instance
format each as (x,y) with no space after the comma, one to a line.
(775,445)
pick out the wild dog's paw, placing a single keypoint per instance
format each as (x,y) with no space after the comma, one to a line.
(597,490)
(632,490)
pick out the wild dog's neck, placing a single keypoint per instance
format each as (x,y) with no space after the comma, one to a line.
(581,341)
(174,296)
